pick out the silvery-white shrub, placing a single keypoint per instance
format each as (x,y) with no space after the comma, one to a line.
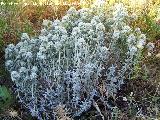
(73,59)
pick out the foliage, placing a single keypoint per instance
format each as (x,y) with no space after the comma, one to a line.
(86,54)
(149,26)
(18,18)
(148,20)
(5,97)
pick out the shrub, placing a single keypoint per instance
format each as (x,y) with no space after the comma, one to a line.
(85,55)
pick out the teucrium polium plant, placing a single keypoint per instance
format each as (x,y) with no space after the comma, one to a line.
(73,59)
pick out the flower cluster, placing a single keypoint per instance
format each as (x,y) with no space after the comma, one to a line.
(71,59)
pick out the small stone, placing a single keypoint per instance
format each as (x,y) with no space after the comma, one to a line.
(124,99)
(158,55)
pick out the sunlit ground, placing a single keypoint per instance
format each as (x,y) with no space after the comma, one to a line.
(97,2)
(137,5)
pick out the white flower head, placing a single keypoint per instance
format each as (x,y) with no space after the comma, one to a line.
(22,51)
(72,11)
(63,31)
(15,76)
(57,73)
(34,69)
(97,19)
(44,32)
(116,34)
(99,2)
(80,42)
(91,32)
(81,25)
(93,22)
(141,43)
(120,12)
(89,67)
(76,31)
(11,47)
(126,29)
(22,63)
(34,41)
(85,14)
(60,30)
(49,35)
(132,50)
(9,64)
(150,46)
(10,51)
(104,49)
(25,37)
(100,27)
(44,40)
(28,55)
(42,49)
(22,70)
(134,16)
(87,26)
(55,38)
(56,23)
(19,45)
(103,52)
(58,45)
(65,19)
(47,23)
(49,45)
(138,30)
(33,75)
(131,39)
(41,56)
(142,36)
(63,38)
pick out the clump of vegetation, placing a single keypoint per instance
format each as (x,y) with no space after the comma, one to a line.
(87,54)
(17,18)
(83,60)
